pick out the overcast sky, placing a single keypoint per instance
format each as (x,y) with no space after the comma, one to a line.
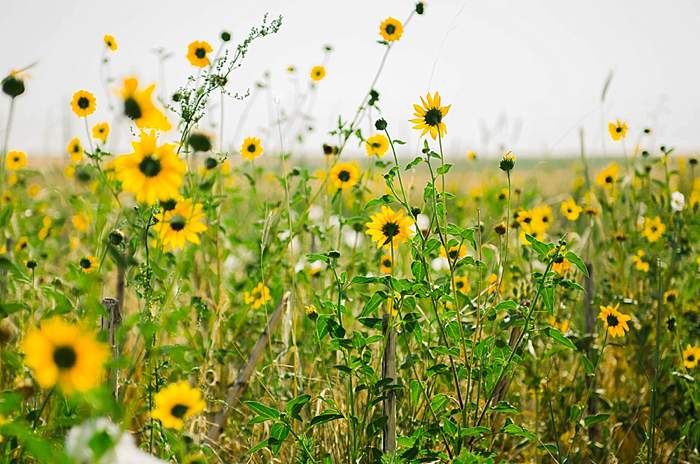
(534,68)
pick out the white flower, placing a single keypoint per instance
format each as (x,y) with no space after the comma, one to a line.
(677,201)
(353,238)
(440,264)
(423,222)
(315,213)
(120,447)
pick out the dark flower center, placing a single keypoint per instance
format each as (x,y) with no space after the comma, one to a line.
(85,263)
(76,148)
(433,117)
(545,219)
(251,148)
(64,357)
(612,320)
(390,29)
(132,109)
(15,159)
(376,145)
(177,223)
(179,410)
(618,129)
(344,176)
(459,284)
(390,230)
(653,228)
(387,263)
(691,358)
(454,254)
(200,53)
(608,179)
(83,103)
(149,166)
(168,205)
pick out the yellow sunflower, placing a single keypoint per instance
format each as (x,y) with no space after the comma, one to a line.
(390,227)
(385,264)
(197,53)
(63,354)
(344,175)
(455,252)
(110,43)
(653,229)
(614,320)
(81,222)
(670,296)
(639,263)
(570,209)
(75,150)
(138,106)
(560,267)
(258,296)
(617,129)
(461,283)
(377,145)
(691,354)
(176,403)
(391,29)
(101,131)
(21,244)
(429,116)
(15,160)
(151,172)
(251,148)
(317,73)
(88,264)
(83,103)
(181,224)
(541,218)
(608,176)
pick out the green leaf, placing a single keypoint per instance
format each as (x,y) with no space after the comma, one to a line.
(264,412)
(577,261)
(293,407)
(559,337)
(444,169)
(539,247)
(518,431)
(595,419)
(504,407)
(326,416)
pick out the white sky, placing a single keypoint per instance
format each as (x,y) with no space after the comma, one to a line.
(534,64)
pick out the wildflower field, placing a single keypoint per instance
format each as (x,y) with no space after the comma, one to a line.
(182,302)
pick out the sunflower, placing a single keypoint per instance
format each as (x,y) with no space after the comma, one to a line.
(653,229)
(471,155)
(391,29)
(110,43)
(614,320)
(608,176)
(176,403)
(197,53)
(101,131)
(317,73)
(81,222)
(617,130)
(541,218)
(385,264)
(461,283)
(429,116)
(670,296)
(570,209)
(138,106)
(560,267)
(562,326)
(75,150)
(455,252)
(181,224)
(691,354)
(377,145)
(258,296)
(21,244)
(83,103)
(152,172)
(15,160)
(639,263)
(390,227)
(60,353)
(251,148)
(88,264)
(344,175)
